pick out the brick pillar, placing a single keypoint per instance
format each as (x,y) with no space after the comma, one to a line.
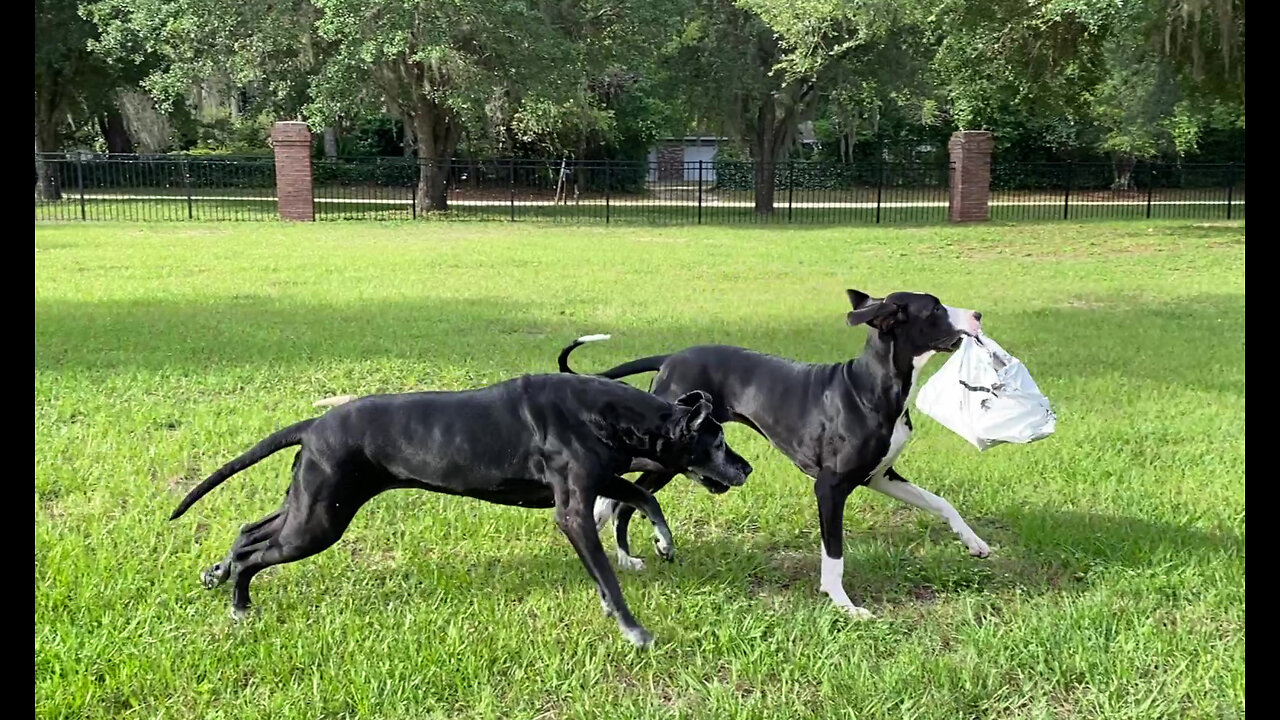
(970,176)
(292,142)
(670,162)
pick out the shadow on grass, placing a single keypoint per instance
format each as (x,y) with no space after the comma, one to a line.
(1037,551)
(1181,343)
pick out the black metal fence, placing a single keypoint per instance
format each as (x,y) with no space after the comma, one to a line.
(71,187)
(140,187)
(648,192)
(1081,191)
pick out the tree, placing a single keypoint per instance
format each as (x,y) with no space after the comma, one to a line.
(759,67)
(64,71)
(1137,78)
(521,66)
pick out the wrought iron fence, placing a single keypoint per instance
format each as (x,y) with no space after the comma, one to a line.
(132,187)
(1081,191)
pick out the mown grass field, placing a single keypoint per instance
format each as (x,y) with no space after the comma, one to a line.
(1115,589)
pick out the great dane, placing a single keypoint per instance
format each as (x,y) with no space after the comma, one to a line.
(842,424)
(536,441)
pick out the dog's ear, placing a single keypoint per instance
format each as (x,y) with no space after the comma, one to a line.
(865,307)
(859,299)
(876,312)
(696,408)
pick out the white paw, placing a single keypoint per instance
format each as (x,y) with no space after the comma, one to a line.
(977,547)
(638,636)
(239,614)
(843,602)
(628,562)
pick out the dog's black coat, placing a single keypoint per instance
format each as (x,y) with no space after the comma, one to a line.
(836,422)
(535,441)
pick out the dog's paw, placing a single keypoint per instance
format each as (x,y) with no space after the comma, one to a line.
(629,562)
(665,551)
(213,577)
(846,605)
(977,547)
(239,613)
(858,613)
(638,636)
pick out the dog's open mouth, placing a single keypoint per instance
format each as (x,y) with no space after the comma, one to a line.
(711,484)
(951,346)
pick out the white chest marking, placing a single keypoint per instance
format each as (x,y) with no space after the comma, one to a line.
(901,434)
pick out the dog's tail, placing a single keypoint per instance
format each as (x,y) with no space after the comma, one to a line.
(275,442)
(649,364)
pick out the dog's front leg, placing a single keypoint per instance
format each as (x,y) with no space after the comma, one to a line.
(897,487)
(636,497)
(573,515)
(650,482)
(831,493)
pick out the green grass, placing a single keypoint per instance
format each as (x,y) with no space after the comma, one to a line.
(1115,589)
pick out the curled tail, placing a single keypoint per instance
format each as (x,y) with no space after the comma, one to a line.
(649,364)
(273,443)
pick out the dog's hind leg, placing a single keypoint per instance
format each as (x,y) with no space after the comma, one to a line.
(637,498)
(573,515)
(250,534)
(897,487)
(650,482)
(314,518)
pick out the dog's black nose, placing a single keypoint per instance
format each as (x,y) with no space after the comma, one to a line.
(977,315)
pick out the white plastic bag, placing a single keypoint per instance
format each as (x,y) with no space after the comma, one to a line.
(986,396)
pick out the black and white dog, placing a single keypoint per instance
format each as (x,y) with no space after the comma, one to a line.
(842,424)
(536,441)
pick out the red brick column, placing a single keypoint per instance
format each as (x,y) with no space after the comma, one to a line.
(292,142)
(970,175)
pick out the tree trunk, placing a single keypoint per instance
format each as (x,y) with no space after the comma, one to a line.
(47,186)
(762,156)
(330,142)
(771,139)
(436,135)
(111,124)
(1122,165)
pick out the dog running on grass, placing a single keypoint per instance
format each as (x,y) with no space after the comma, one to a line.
(537,441)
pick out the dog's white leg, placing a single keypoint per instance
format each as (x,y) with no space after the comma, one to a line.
(832,583)
(927,501)
(605,512)
(629,562)
(605,509)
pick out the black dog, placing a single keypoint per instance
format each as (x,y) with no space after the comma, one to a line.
(536,441)
(842,424)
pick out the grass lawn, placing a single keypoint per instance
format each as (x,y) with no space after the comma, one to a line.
(1115,589)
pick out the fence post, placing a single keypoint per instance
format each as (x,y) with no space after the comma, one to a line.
(791,184)
(80,182)
(1066,199)
(186,184)
(1231,184)
(294,197)
(512,178)
(607,189)
(1151,183)
(969,197)
(700,191)
(879,188)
